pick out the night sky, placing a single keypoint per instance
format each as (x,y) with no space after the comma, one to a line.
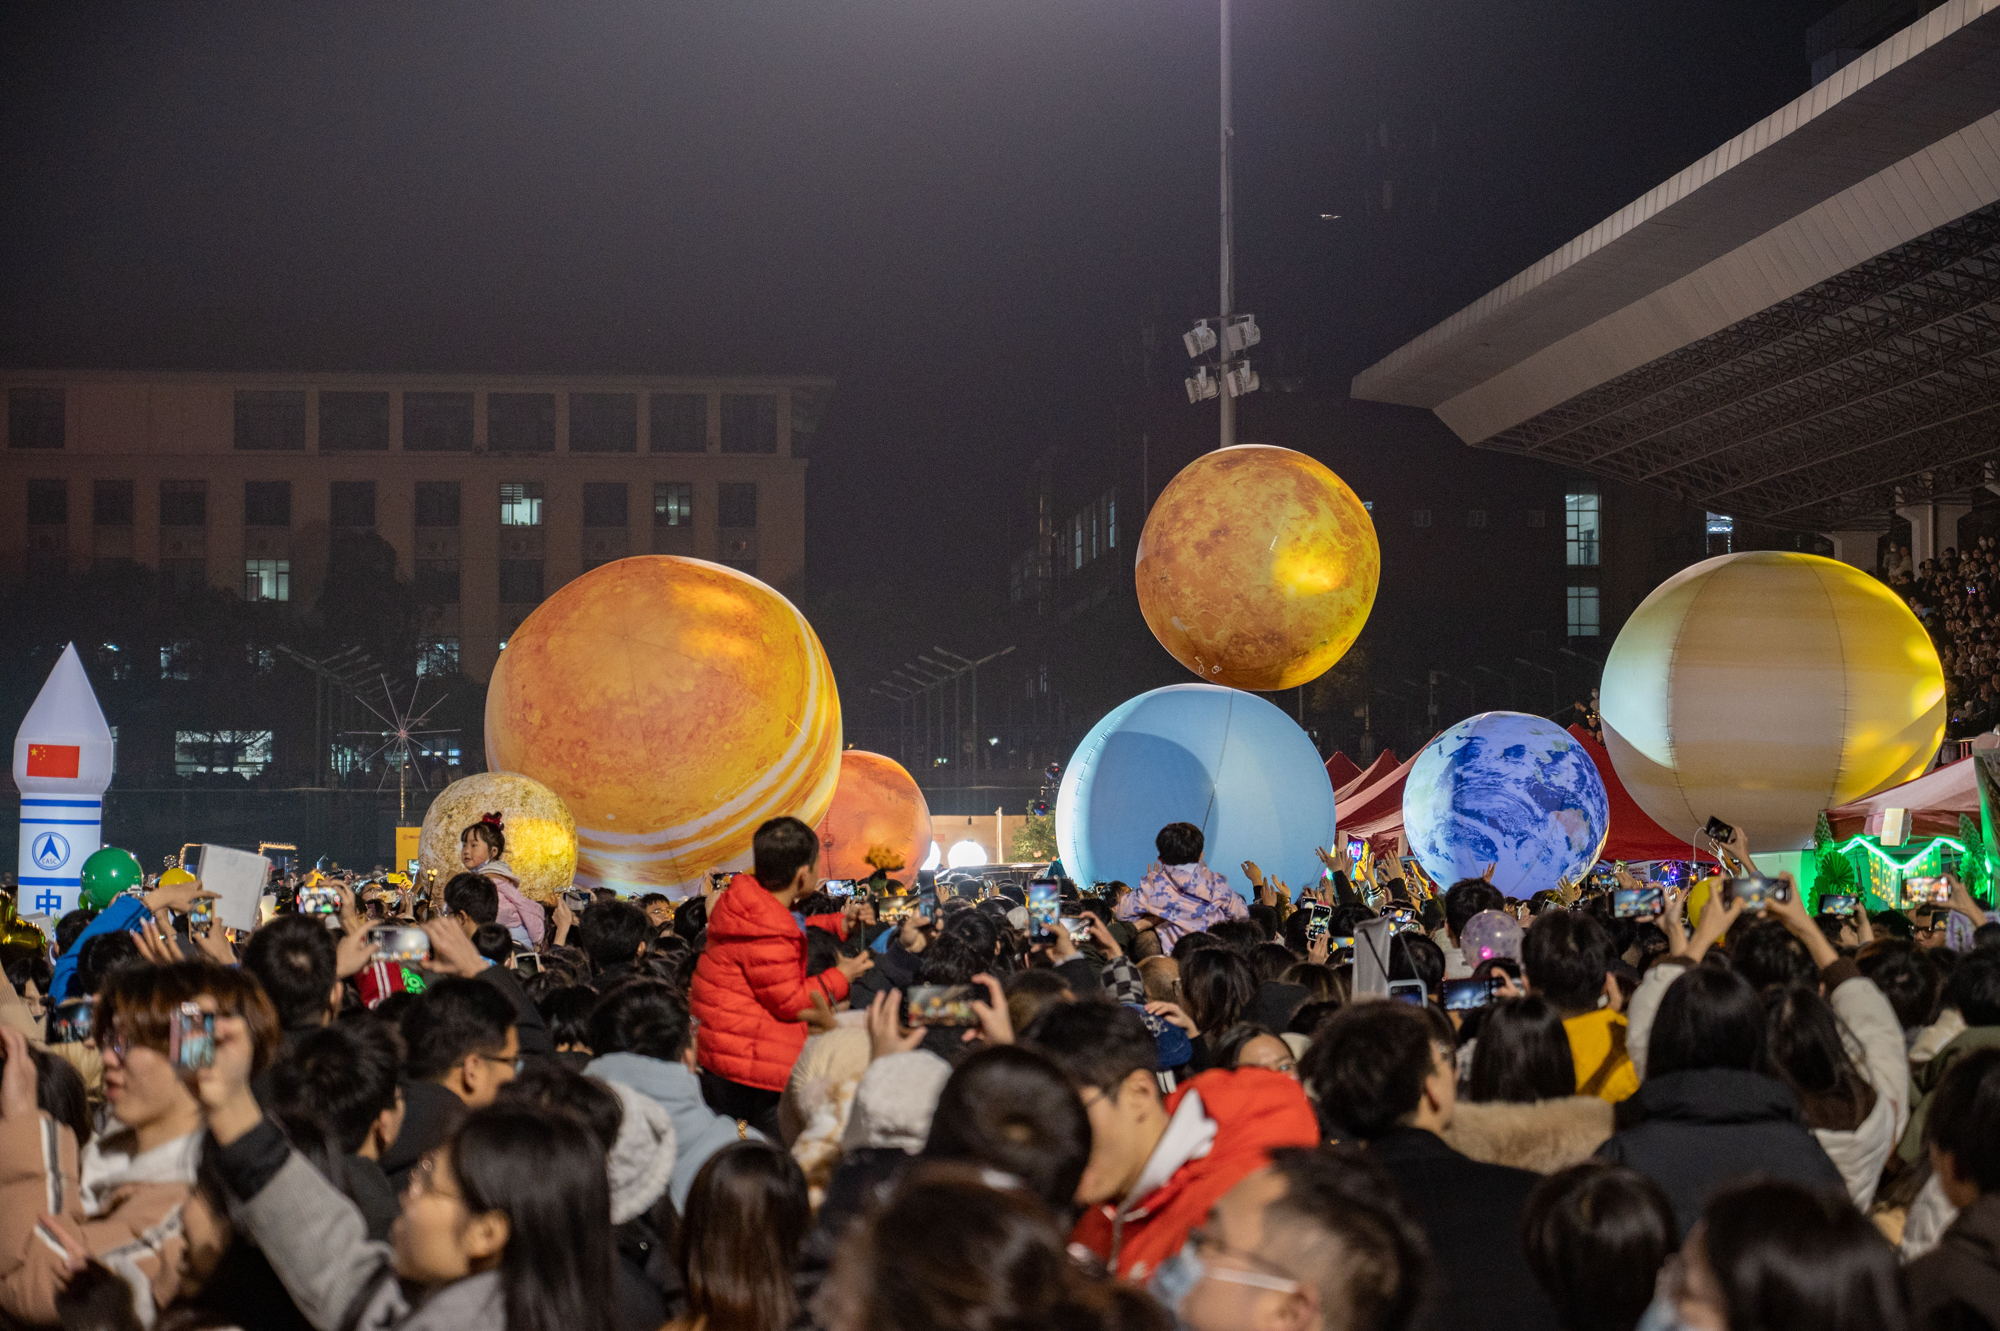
(962,209)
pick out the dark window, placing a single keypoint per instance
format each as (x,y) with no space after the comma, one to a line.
(603,422)
(437,581)
(521,581)
(604,503)
(673,504)
(34,418)
(111,503)
(270,421)
(740,565)
(183,503)
(267,503)
(736,504)
(353,422)
(437,422)
(521,422)
(48,502)
(680,423)
(178,577)
(437,503)
(353,504)
(749,423)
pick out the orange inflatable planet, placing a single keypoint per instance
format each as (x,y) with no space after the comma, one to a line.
(1257,567)
(877,804)
(673,705)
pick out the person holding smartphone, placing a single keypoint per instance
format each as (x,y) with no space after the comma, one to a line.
(1179,894)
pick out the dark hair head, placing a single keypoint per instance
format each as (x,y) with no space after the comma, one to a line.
(545,1171)
(949,960)
(644,1017)
(548,1084)
(780,848)
(1786,1256)
(487,829)
(612,932)
(1179,843)
(473,896)
(738,1244)
(1595,1236)
(1567,954)
(1974,988)
(59,1092)
(1191,942)
(26,964)
(1466,898)
(1415,957)
(1240,936)
(1765,953)
(1366,1068)
(1319,981)
(293,958)
(345,1074)
(100,955)
(1804,1048)
(822,950)
(1031,992)
(1226,1047)
(1219,986)
(493,942)
(1522,1053)
(140,1002)
(691,919)
(1963,1119)
(1709,1018)
(1095,1044)
(452,1020)
(1377,1262)
(977,930)
(1012,1109)
(1907,977)
(1270,961)
(565,1010)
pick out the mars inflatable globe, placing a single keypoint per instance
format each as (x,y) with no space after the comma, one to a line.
(1226,761)
(537,826)
(1510,790)
(1257,567)
(876,807)
(673,705)
(1763,687)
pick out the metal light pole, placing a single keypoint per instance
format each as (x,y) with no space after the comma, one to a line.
(1226,399)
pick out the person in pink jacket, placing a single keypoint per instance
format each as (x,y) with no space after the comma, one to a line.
(480,849)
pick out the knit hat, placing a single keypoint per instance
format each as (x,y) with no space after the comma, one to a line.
(893,1107)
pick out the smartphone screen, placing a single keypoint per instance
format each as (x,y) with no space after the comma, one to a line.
(1408,991)
(1467,995)
(837,887)
(1319,918)
(1636,903)
(1044,907)
(941,1005)
(1754,893)
(1925,892)
(1839,903)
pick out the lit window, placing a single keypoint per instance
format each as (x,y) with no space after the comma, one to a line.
(1076,541)
(1722,529)
(1583,612)
(1111,520)
(521,504)
(673,504)
(1582,531)
(176,659)
(437,656)
(267,579)
(232,752)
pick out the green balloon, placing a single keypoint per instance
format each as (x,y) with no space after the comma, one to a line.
(107,873)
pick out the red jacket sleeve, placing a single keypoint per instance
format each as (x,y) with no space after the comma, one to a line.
(777,979)
(834,924)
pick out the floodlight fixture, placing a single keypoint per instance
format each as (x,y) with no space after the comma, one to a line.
(1201,385)
(1198,340)
(1240,334)
(1241,379)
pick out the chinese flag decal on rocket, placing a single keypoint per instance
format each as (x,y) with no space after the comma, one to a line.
(54,759)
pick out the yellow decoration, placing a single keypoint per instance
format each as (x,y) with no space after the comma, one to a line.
(1257,567)
(175,876)
(540,834)
(674,705)
(1763,687)
(878,819)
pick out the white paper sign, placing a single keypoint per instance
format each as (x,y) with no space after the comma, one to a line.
(237,879)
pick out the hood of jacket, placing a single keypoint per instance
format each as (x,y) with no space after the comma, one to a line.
(669,1084)
(895,1101)
(108,1164)
(642,1160)
(745,912)
(1544,1136)
(1713,1096)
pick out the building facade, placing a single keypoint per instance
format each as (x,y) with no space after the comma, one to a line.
(492,490)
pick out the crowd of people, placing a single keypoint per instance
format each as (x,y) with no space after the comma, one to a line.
(1957,596)
(1363,1107)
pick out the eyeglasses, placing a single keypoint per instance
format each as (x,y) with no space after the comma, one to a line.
(516,1063)
(423,1180)
(1205,1243)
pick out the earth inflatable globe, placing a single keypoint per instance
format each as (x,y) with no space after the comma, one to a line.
(1763,687)
(1227,761)
(1257,567)
(1513,791)
(672,705)
(876,809)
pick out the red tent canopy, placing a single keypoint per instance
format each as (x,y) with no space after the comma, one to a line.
(1385,763)
(1374,808)
(1934,801)
(1340,769)
(1634,836)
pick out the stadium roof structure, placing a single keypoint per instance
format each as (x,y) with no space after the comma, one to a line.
(1802,328)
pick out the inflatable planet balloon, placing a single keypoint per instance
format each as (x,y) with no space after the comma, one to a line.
(1513,791)
(673,705)
(537,827)
(1763,687)
(1257,567)
(107,873)
(1226,761)
(175,876)
(877,814)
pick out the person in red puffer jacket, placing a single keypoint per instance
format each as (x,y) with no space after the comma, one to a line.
(751,994)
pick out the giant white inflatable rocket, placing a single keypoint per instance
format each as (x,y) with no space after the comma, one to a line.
(62,764)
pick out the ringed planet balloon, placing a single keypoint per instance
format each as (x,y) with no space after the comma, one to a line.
(1227,761)
(877,807)
(109,872)
(1763,687)
(673,705)
(539,832)
(1257,567)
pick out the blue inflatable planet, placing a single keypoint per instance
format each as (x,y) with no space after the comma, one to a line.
(1514,791)
(1227,761)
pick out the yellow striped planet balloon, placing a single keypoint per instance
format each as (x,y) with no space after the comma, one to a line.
(674,705)
(1763,687)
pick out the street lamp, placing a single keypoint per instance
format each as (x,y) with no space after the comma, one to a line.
(1233,334)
